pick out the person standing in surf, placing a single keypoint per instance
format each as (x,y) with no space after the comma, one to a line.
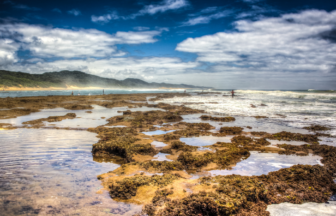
(232,92)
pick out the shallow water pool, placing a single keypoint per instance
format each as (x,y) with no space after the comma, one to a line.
(52,172)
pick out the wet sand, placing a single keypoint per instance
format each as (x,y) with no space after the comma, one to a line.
(126,155)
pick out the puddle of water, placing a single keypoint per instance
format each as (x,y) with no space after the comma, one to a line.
(331,141)
(116,126)
(158,144)
(205,140)
(83,120)
(305,209)
(276,142)
(157,132)
(161,157)
(52,172)
(263,163)
(266,125)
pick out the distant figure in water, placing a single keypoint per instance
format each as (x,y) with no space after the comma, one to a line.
(103,92)
(78,93)
(72,93)
(232,92)
(185,91)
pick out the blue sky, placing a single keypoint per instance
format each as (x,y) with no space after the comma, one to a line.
(241,44)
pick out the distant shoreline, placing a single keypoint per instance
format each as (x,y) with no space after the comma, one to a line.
(72,88)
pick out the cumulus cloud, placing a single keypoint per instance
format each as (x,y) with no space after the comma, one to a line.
(105,18)
(148,9)
(88,50)
(203,19)
(163,6)
(8,52)
(291,42)
(75,12)
(48,42)
(120,68)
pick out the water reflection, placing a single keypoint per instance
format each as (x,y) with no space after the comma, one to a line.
(83,120)
(266,125)
(53,172)
(205,140)
(161,157)
(158,144)
(157,132)
(263,163)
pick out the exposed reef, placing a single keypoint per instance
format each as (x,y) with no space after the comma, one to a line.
(221,119)
(39,122)
(166,187)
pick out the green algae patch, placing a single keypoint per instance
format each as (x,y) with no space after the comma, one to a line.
(260,117)
(317,128)
(221,119)
(231,130)
(78,107)
(126,188)
(259,133)
(230,154)
(169,137)
(244,195)
(145,119)
(288,136)
(120,142)
(162,166)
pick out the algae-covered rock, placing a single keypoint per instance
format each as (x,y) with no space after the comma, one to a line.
(78,107)
(119,142)
(231,130)
(145,119)
(39,122)
(127,187)
(250,195)
(181,146)
(221,119)
(288,136)
(163,166)
(317,128)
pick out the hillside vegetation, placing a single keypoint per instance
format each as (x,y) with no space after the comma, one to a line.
(64,79)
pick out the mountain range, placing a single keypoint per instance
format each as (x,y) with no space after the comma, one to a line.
(64,79)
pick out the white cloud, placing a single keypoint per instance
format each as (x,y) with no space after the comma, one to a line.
(105,18)
(209,9)
(47,42)
(203,19)
(291,43)
(56,10)
(8,52)
(119,68)
(141,28)
(75,12)
(164,6)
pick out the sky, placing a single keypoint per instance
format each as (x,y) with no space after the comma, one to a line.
(237,44)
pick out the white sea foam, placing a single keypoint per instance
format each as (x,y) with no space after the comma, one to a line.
(300,108)
(306,209)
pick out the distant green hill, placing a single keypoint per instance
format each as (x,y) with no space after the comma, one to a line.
(75,78)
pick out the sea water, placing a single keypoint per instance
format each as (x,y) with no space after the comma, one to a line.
(293,109)
(84,92)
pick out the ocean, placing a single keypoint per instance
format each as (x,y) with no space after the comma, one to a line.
(296,109)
